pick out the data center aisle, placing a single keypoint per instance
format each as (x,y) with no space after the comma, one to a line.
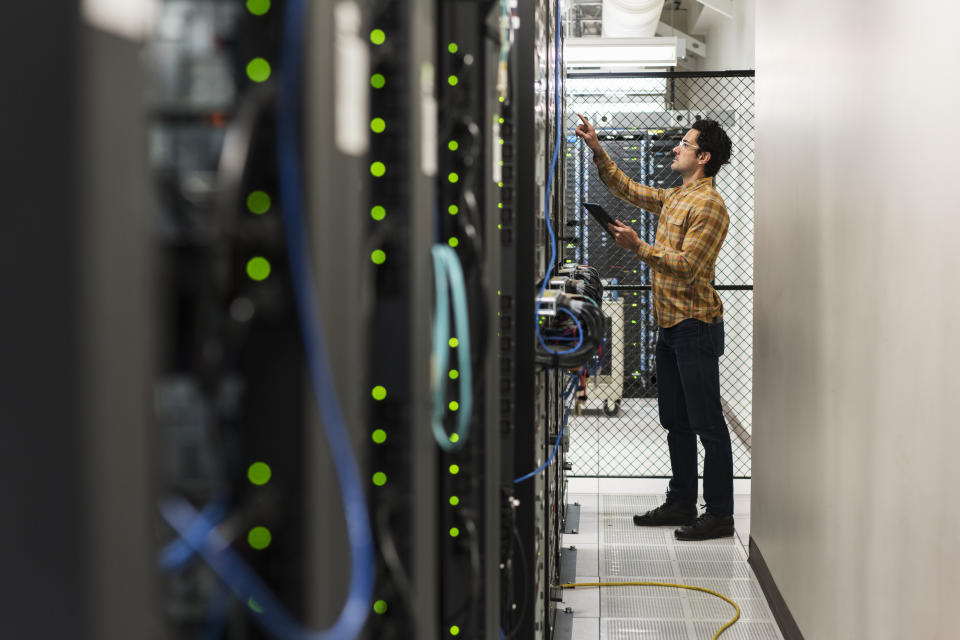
(610,548)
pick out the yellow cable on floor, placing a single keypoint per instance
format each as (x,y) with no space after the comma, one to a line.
(571,585)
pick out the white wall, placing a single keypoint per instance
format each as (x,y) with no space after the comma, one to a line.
(730,41)
(857,343)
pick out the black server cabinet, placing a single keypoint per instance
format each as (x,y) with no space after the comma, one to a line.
(531,409)
(76,359)
(466,217)
(320,115)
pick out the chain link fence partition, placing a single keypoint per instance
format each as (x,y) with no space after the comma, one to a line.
(640,118)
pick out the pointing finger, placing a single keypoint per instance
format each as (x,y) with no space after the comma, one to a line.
(585,121)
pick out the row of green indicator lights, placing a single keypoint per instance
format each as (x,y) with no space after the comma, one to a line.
(259,537)
(453,145)
(258,69)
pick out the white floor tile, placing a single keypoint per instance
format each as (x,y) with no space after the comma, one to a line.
(586,629)
(611,547)
(584,602)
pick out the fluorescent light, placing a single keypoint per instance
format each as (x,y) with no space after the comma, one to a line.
(618,54)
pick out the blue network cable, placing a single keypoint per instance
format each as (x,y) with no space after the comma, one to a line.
(448,278)
(567,393)
(177,554)
(236,574)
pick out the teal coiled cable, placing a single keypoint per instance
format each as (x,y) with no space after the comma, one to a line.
(450,284)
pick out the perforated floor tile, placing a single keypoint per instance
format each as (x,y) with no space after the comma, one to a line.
(713,569)
(650,608)
(713,608)
(627,553)
(709,553)
(742,630)
(626,629)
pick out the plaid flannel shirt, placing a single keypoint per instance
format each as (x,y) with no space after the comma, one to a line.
(693,224)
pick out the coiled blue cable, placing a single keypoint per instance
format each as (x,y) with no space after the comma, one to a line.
(449,282)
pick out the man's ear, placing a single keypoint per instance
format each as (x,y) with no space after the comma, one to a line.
(703,157)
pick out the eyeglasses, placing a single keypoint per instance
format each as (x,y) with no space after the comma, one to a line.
(684,143)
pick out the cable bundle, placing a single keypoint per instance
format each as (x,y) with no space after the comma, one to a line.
(570,323)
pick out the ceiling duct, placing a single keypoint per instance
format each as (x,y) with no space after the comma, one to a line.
(631,18)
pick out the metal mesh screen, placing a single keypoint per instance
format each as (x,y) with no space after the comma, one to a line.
(639,119)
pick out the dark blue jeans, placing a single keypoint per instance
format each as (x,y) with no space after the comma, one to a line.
(688,379)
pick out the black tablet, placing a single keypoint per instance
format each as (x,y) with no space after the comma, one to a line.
(600,215)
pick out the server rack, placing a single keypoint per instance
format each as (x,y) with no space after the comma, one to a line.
(468,43)
(296,128)
(531,409)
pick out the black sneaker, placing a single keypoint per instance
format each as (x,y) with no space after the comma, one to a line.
(671,513)
(707,527)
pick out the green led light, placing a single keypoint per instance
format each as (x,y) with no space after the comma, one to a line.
(499,205)
(453,209)
(259,473)
(378,257)
(254,606)
(258,70)
(377,36)
(500,163)
(500,184)
(454,469)
(379,436)
(378,213)
(454,532)
(259,538)
(633,304)
(453,242)
(258,268)
(452,47)
(453,177)
(501,140)
(378,125)
(379,478)
(454,501)
(258,7)
(501,120)
(454,438)
(454,374)
(258,202)
(377,81)
(634,220)
(454,405)
(454,630)
(453,342)
(453,145)
(453,81)
(377,169)
(499,227)
(380,607)
(379,392)
(501,98)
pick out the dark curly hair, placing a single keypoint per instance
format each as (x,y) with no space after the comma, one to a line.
(714,139)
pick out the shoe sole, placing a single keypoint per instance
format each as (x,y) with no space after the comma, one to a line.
(721,534)
(675,523)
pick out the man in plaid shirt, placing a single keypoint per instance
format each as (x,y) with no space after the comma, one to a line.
(691,228)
